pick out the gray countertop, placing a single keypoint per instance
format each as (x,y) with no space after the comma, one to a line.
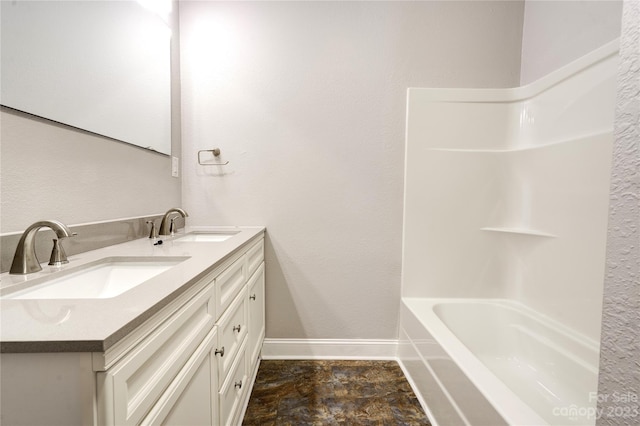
(94,325)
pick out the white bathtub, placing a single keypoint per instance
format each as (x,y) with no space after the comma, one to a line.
(496,361)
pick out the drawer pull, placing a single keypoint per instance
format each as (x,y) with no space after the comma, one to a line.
(237,328)
(252,297)
(238,384)
(219,352)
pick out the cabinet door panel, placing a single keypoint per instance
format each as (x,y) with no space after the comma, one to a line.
(256,316)
(188,400)
(193,408)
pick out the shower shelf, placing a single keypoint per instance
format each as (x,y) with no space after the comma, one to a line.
(528,148)
(520,231)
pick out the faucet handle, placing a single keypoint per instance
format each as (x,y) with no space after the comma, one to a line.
(152,231)
(58,256)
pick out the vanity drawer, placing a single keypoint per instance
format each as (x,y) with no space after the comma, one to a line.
(255,256)
(232,329)
(233,389)
(229,283)
(133,385)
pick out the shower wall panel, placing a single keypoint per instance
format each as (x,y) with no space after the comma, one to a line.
(506,191)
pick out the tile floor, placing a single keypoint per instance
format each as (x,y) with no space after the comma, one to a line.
(290,392)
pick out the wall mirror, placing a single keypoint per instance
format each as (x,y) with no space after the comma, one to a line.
(101,66)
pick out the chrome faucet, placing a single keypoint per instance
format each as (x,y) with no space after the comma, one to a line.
(25,260)
(167,225)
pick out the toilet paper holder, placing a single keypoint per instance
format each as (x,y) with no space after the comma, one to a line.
(215,152)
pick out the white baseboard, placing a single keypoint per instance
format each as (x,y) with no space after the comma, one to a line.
(329,349)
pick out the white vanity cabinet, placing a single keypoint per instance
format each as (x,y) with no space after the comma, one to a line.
(238,368)
(193,368)
(191,363)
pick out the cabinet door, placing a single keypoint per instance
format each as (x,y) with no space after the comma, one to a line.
(191,398)
(128,390)
(256,316)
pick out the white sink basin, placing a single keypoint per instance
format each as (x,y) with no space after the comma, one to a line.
(207,237)
(102,279)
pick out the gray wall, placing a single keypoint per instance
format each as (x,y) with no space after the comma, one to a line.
(557,32)
(50,171)
(307,102)
(620,346)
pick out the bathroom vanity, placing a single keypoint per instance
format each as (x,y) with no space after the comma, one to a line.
(180,348)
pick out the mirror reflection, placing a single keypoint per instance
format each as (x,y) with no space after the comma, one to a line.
(101,66)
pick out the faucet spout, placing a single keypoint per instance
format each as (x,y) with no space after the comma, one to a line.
(165,225)
(25,260)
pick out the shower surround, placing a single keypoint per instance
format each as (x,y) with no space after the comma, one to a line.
(506,203)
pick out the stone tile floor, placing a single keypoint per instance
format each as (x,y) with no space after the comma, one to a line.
(291,392)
